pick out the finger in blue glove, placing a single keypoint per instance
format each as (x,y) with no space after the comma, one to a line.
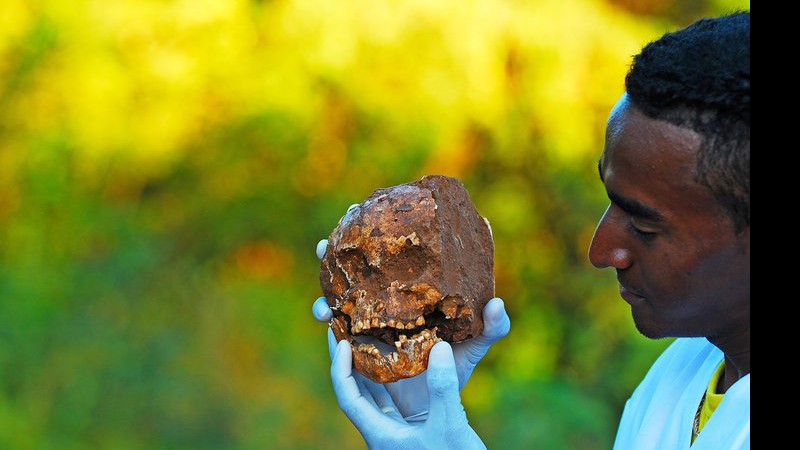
(371,409)
(321,310)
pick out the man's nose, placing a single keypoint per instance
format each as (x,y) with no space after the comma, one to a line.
(608,247)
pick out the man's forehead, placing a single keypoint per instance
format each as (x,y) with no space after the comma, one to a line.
(622,103)
(652,162)
(647,142)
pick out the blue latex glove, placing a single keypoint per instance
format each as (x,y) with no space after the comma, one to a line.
(410,395)
(376,416)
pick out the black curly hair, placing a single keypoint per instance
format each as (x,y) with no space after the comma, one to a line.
(699,78)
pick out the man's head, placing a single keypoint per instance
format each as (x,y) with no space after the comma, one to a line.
(676,166)
(699,78)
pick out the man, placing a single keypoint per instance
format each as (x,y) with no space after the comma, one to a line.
(676,167)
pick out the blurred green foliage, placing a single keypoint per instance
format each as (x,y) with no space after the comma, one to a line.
(167,167)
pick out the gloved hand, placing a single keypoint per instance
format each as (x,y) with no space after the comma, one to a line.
(370,407)
(410,395)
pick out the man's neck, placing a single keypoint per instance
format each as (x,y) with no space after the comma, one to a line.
(737,358)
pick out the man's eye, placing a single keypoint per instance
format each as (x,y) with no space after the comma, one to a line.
(641,233)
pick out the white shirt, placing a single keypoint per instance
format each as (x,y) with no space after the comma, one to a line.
(660,413)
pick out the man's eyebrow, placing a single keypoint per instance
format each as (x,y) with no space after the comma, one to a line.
(635,208)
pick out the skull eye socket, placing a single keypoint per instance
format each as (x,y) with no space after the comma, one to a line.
(355,265)
(413,258)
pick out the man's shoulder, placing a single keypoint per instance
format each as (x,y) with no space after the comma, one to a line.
(682,361)
(666,400)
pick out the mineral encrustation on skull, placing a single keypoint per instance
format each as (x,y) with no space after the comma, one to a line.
(410,266)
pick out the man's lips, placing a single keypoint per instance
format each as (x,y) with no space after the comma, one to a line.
(629,296)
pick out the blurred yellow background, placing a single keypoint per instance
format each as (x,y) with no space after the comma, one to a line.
(167,168)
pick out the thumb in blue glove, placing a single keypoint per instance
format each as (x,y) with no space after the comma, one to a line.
(371,409)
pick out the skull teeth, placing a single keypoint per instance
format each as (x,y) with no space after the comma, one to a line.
(359,325)
(403,345)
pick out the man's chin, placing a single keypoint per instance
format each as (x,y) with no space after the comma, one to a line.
(647,329)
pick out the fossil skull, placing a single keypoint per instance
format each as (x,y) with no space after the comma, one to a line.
(411,265)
